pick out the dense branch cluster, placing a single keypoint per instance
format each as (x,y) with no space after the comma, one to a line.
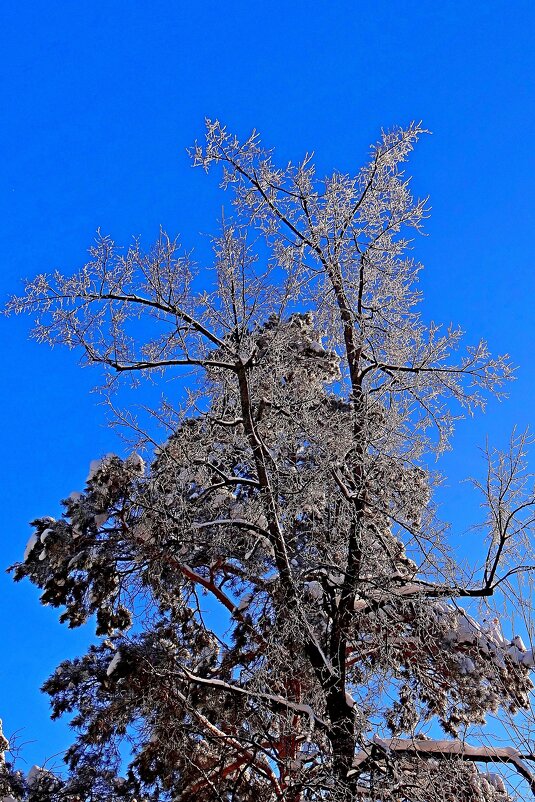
(279,615)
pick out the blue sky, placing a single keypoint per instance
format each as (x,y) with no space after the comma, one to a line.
(100,102)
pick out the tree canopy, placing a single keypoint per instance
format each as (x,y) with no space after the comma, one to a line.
(280,615)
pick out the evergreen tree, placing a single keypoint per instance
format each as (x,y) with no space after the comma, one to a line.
(280,615)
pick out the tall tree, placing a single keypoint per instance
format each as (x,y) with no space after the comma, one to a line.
(281,617)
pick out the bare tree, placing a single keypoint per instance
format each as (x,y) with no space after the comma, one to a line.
(281,615)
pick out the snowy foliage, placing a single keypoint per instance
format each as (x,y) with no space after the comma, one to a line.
(280,615)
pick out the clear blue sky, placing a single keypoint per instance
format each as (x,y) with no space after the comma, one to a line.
(100,101)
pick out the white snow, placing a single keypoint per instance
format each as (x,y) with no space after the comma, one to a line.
(144,534)
(519,643)
(496,780)
(493,630)
(136,463)
(221,498)
(42,556)
(34,775)
(74,496)
(45,534)
(487,636)
(237,510)
(443,610)
(314,589)
(72,562)
(113,664)
(96,464)
(101,518)
(335,579)
(29,545)
(528,659)
(466,665)
(497,754)
(249,553)
(245,602)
